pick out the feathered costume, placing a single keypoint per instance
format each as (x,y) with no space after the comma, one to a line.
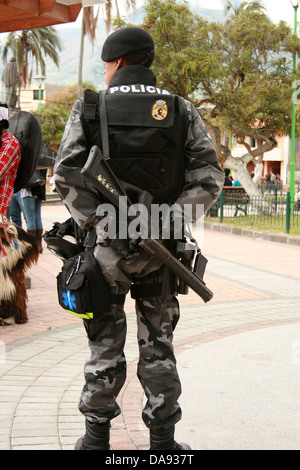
(19,251)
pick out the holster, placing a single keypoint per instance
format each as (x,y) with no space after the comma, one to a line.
(155,284)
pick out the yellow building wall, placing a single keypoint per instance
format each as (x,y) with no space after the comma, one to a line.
(27,101)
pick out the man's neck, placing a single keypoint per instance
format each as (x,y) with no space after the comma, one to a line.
(132,74)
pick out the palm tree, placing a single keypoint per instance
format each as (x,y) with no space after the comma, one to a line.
(88,27)
(30,47)
(108,11)
(244,6)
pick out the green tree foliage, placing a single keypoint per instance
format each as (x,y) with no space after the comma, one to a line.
(242,67)
(173,28)
(238,73)
(256,80)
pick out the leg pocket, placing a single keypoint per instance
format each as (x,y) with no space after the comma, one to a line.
(110,329)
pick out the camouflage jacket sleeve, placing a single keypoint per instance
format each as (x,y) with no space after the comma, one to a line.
(77,194)
(204,178)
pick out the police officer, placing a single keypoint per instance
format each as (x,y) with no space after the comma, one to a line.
(157,142)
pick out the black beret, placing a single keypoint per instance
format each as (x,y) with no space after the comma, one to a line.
(128,40)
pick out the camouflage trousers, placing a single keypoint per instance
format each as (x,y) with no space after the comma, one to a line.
(105,370)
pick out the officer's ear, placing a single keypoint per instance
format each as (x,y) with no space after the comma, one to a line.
(120,63)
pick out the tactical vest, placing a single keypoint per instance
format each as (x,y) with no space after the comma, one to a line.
(147,128)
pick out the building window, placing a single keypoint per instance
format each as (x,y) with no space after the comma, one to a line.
(36,94)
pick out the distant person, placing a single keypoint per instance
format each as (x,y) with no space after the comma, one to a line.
(32,199)
(236,183)
(297,201)
(272,177)
(227,181)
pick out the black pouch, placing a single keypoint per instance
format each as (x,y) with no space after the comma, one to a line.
(81,287)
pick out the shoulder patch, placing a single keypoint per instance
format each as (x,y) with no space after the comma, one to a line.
(160,110)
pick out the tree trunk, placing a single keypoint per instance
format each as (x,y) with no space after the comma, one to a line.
(241,174)
(80,66)
(258,170)
(239,164)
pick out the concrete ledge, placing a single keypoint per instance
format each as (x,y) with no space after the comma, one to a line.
(52,198)
(53,201)
(273,237)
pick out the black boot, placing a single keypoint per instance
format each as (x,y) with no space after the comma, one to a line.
(96,437)
(32,233)
(39,233)
(163,439)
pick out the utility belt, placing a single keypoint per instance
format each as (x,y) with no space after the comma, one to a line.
(82,288)
(163,282)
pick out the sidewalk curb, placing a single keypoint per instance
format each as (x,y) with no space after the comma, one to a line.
(273,237)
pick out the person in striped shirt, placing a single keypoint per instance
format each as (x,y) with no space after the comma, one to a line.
(10,157)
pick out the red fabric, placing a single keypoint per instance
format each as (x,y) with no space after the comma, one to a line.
(10,157)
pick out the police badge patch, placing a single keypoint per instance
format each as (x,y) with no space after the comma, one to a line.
(159,110)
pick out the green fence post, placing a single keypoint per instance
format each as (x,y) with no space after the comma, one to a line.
(221,205)
(288,213)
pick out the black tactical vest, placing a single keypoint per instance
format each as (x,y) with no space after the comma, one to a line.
(147,129)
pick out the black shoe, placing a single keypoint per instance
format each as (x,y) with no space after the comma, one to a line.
(95,438)
(80,444)
(163,439)
(181,446)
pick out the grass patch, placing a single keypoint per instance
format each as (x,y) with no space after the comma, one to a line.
(242,222)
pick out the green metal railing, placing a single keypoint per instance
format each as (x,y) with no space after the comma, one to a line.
(271,208)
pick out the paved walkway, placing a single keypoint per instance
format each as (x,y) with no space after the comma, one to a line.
(238,357)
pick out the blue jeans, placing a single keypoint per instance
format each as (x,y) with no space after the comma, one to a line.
(32,208)
(16,209)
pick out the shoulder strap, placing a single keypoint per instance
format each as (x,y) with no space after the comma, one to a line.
(103,124)
(90,104)
(91,100)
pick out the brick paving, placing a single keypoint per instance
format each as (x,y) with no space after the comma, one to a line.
(256,287)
